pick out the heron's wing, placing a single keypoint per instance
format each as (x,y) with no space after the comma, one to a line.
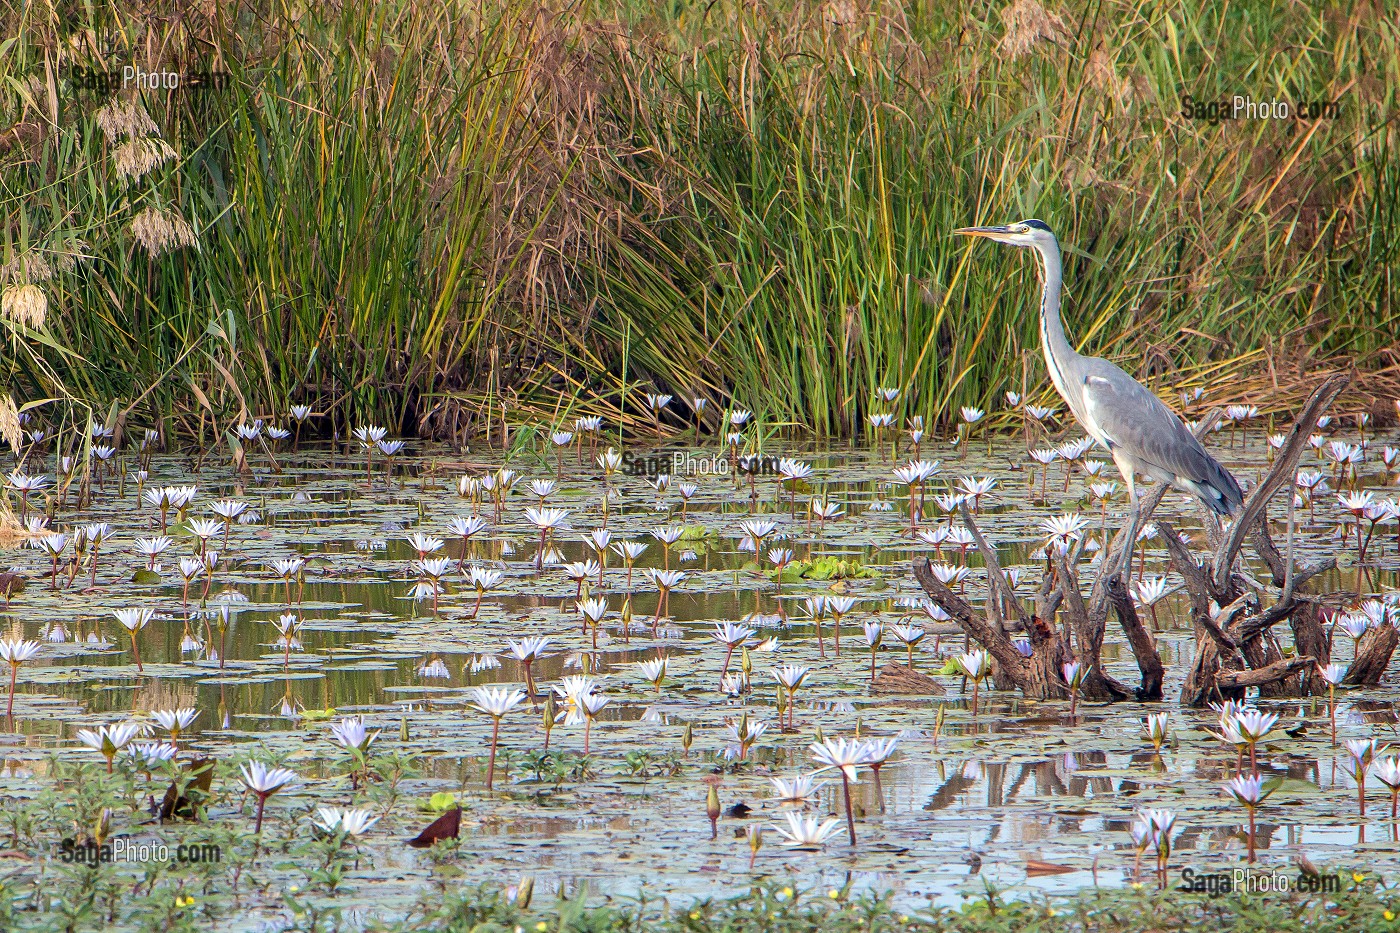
(1137,423)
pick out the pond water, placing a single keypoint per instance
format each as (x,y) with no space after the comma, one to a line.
(968,798)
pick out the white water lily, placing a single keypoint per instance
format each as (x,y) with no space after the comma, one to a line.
(805,832)
(351,822)
(796,789)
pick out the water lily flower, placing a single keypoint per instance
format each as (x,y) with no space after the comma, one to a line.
(839,606)
(593,610)
(483,579)
(590,704)
(874,634)
(798,789)
(1387,771)
(1074,678)
(53,545)
(846,756)
(150,755)
(1250,793)
(286,568)
(805,832)
(175,721)
(664,581)
(1254,726)
(1144,837)
(1333,675)
(547,521)
(110,739)
(791,677)
(204,529)
(423,544)
(133,620)
(495,702)
(352,735)
(629,551)
(264,781)
(151,548)
(228,510)
(26,485)
(466,528)
(580,571)
(976,488)
(909,636)
(1156,729)
(353,823)
(976,664)
(878,751)
(527,651)
(1363,752)
(15,651)
(1162,822)
(731,635)
(653,671)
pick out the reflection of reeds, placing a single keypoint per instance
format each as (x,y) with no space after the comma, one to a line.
(156,693)
(446,216)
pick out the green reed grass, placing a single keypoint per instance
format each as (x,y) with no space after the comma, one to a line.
(420,213)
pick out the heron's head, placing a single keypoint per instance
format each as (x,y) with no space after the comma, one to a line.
(1021,233)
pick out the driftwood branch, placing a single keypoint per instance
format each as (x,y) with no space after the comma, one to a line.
(1257,505)
(1277,671)
(973,623)
(1233,650)
(1373,653)
(1089,632)
(999,589)
(1144,646)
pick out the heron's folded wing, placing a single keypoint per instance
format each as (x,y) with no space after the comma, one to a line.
(1140,424)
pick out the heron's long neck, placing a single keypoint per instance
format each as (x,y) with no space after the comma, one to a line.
(1058,352)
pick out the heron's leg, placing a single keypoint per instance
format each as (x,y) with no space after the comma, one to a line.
(1130,533)
(1125,560)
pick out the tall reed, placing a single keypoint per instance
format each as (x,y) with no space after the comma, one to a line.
(442,215)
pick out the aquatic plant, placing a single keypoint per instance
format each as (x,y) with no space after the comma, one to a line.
(845,756)
(495,702)
(14,652)
(262,782)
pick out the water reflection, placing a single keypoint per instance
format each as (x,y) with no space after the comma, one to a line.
(968,795)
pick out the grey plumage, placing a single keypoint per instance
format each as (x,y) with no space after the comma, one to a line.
(1141,433)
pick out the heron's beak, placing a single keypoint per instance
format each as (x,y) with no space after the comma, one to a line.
(991,233)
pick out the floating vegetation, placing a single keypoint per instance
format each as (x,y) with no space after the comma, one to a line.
(385,678)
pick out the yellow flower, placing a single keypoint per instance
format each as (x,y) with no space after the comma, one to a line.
(1390,915)
(1357,877)
(786,892)
(695,915)
(294,889)
(541,926)
(833,894)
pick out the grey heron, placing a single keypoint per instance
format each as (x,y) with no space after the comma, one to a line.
(1122,415)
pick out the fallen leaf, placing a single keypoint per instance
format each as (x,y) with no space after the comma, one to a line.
(446,826)
(1035,867)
